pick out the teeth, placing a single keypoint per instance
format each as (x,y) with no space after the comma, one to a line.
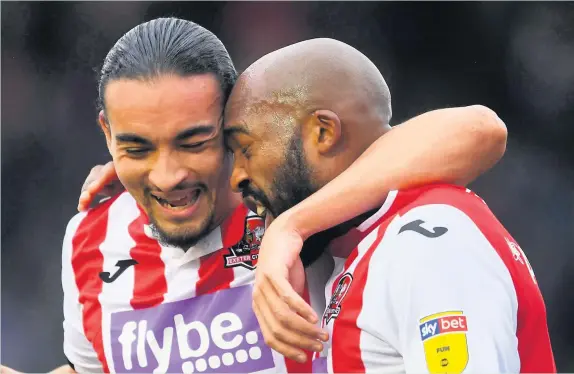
(261,211)
(177,204)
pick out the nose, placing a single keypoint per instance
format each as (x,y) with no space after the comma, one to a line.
(168,172)
(239,178)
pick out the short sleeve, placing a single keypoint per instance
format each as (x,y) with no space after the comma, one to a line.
(450,293)
(78,350)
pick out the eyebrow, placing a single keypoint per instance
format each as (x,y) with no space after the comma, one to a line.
(132,138)
(196,130)
(231,130)
(185,134)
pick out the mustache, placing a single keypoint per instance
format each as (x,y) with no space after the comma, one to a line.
(257,195)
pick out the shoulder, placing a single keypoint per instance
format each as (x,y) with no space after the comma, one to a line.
(408,210)
(454,209)
(446,194)
(85,227)
(443,246)
(443,226)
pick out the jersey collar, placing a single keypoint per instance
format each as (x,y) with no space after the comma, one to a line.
(341,247)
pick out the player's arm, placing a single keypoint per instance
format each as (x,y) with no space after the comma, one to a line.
(77,349)
(450,296)
(453,145)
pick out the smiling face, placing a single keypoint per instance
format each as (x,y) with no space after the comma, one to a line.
(167,145)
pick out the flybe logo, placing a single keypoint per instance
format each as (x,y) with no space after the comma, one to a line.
(211,333)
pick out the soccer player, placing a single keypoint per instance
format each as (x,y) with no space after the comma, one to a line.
(428,282)
(158,278)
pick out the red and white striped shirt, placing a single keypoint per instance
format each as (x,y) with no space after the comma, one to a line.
(132,304)
(433,283)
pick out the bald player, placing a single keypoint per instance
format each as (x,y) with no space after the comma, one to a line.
(429,282)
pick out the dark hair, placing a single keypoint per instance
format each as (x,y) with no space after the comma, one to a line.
(167,46)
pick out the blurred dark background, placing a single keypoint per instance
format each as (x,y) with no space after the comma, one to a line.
(517,58)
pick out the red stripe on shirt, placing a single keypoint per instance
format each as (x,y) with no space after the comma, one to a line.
(213,275)
(233,228)
(349,344)
(87,264)
(306,367)
(150,284)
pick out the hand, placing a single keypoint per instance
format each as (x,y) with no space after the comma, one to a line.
(64,369)
(287,322)
(102,181)
(7,370)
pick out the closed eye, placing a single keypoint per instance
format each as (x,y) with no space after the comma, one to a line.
(136,151)
(194,146)
(246,152)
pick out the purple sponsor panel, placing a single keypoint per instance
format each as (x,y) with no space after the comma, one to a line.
(320,365)
(215,333)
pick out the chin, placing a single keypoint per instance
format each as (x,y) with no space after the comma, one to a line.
(180,235)
(177,238)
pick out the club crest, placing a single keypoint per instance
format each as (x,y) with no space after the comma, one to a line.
(246,252)
(334,307)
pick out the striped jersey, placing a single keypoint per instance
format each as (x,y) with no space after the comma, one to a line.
(132,304)
(433,283)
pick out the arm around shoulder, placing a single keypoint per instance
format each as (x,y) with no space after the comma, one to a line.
(460,143)
(452,145)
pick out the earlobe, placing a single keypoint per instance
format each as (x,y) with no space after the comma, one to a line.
(105,128)
(328,130)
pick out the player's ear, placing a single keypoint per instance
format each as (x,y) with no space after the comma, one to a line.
(106,129)
(324,127)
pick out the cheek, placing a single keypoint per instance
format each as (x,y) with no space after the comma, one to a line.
(262,172)
(270,157)
(131,173)
(209,165)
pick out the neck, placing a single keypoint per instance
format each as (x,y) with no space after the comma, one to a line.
(344,228)
(316,244)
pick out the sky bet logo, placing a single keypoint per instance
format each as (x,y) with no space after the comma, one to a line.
(442,323)
(211,333)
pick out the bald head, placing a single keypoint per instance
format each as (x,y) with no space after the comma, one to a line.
(319,74)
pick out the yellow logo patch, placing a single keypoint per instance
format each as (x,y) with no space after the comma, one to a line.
(444,340)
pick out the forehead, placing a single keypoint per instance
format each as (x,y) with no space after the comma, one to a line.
(168,100)
(259,112)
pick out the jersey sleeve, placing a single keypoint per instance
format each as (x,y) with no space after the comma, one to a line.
(78,350)
(451,295)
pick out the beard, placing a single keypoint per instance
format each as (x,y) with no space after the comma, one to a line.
(291,185)
(183,238)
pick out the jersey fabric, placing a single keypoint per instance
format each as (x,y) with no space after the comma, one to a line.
(433,283)
(132,304)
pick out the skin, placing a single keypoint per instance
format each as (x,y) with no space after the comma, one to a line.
(164,147)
